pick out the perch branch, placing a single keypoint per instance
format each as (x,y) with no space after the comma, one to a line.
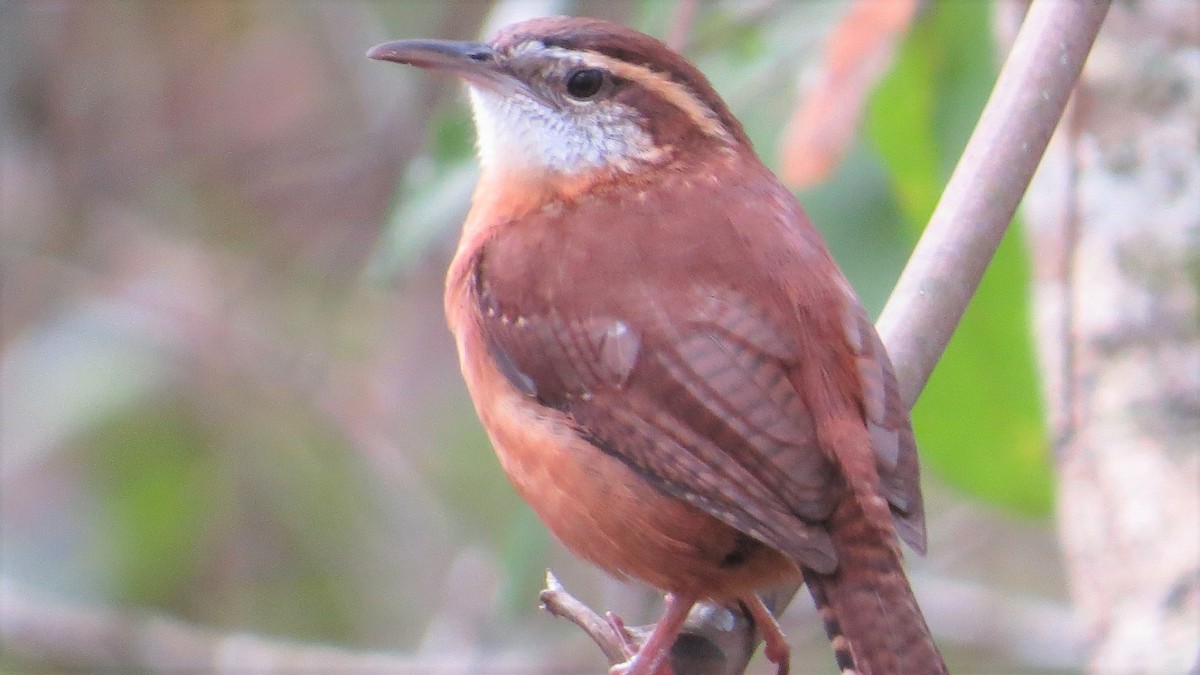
(557,601)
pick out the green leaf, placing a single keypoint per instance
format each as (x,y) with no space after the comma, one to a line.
(979,421)
(153,478)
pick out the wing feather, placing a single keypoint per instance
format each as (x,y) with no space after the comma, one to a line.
(887,420)
(691,382)
(705,411)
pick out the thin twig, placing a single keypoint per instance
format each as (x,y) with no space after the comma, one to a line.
(556,600)
(681,25)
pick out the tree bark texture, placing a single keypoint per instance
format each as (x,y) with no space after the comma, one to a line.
(1113,222)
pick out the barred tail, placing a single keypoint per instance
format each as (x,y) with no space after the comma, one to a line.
(841,646)
(870,614)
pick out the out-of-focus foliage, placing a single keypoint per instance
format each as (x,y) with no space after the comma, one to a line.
(226,389)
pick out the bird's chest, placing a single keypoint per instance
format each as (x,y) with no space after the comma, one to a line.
(595,282)
(600,508)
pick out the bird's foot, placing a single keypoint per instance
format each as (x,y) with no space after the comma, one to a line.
(637,660)
(781,658)
(630,645)
(775,646)
(652,657)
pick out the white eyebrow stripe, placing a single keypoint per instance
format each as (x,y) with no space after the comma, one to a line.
(676,94)
(673,92)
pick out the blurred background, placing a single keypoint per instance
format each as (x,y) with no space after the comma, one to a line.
(227,395)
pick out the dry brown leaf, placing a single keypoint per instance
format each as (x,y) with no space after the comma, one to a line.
(858,52)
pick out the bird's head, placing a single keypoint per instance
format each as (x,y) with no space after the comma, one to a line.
(574,97)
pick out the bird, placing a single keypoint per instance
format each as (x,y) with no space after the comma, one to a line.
(673,371)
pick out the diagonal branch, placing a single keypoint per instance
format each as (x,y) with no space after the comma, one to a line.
(987,184)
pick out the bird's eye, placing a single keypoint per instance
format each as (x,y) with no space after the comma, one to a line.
(584,83)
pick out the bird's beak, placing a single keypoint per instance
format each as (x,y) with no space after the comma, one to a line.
(473,62)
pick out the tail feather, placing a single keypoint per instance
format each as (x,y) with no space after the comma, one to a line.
(870,614)
(833,628)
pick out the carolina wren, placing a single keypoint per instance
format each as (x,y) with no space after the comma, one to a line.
(672,369)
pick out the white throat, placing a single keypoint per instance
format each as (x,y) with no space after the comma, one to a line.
(520,133)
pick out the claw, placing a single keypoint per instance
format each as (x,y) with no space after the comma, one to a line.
(652,657)
(775,646)
(629,647)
